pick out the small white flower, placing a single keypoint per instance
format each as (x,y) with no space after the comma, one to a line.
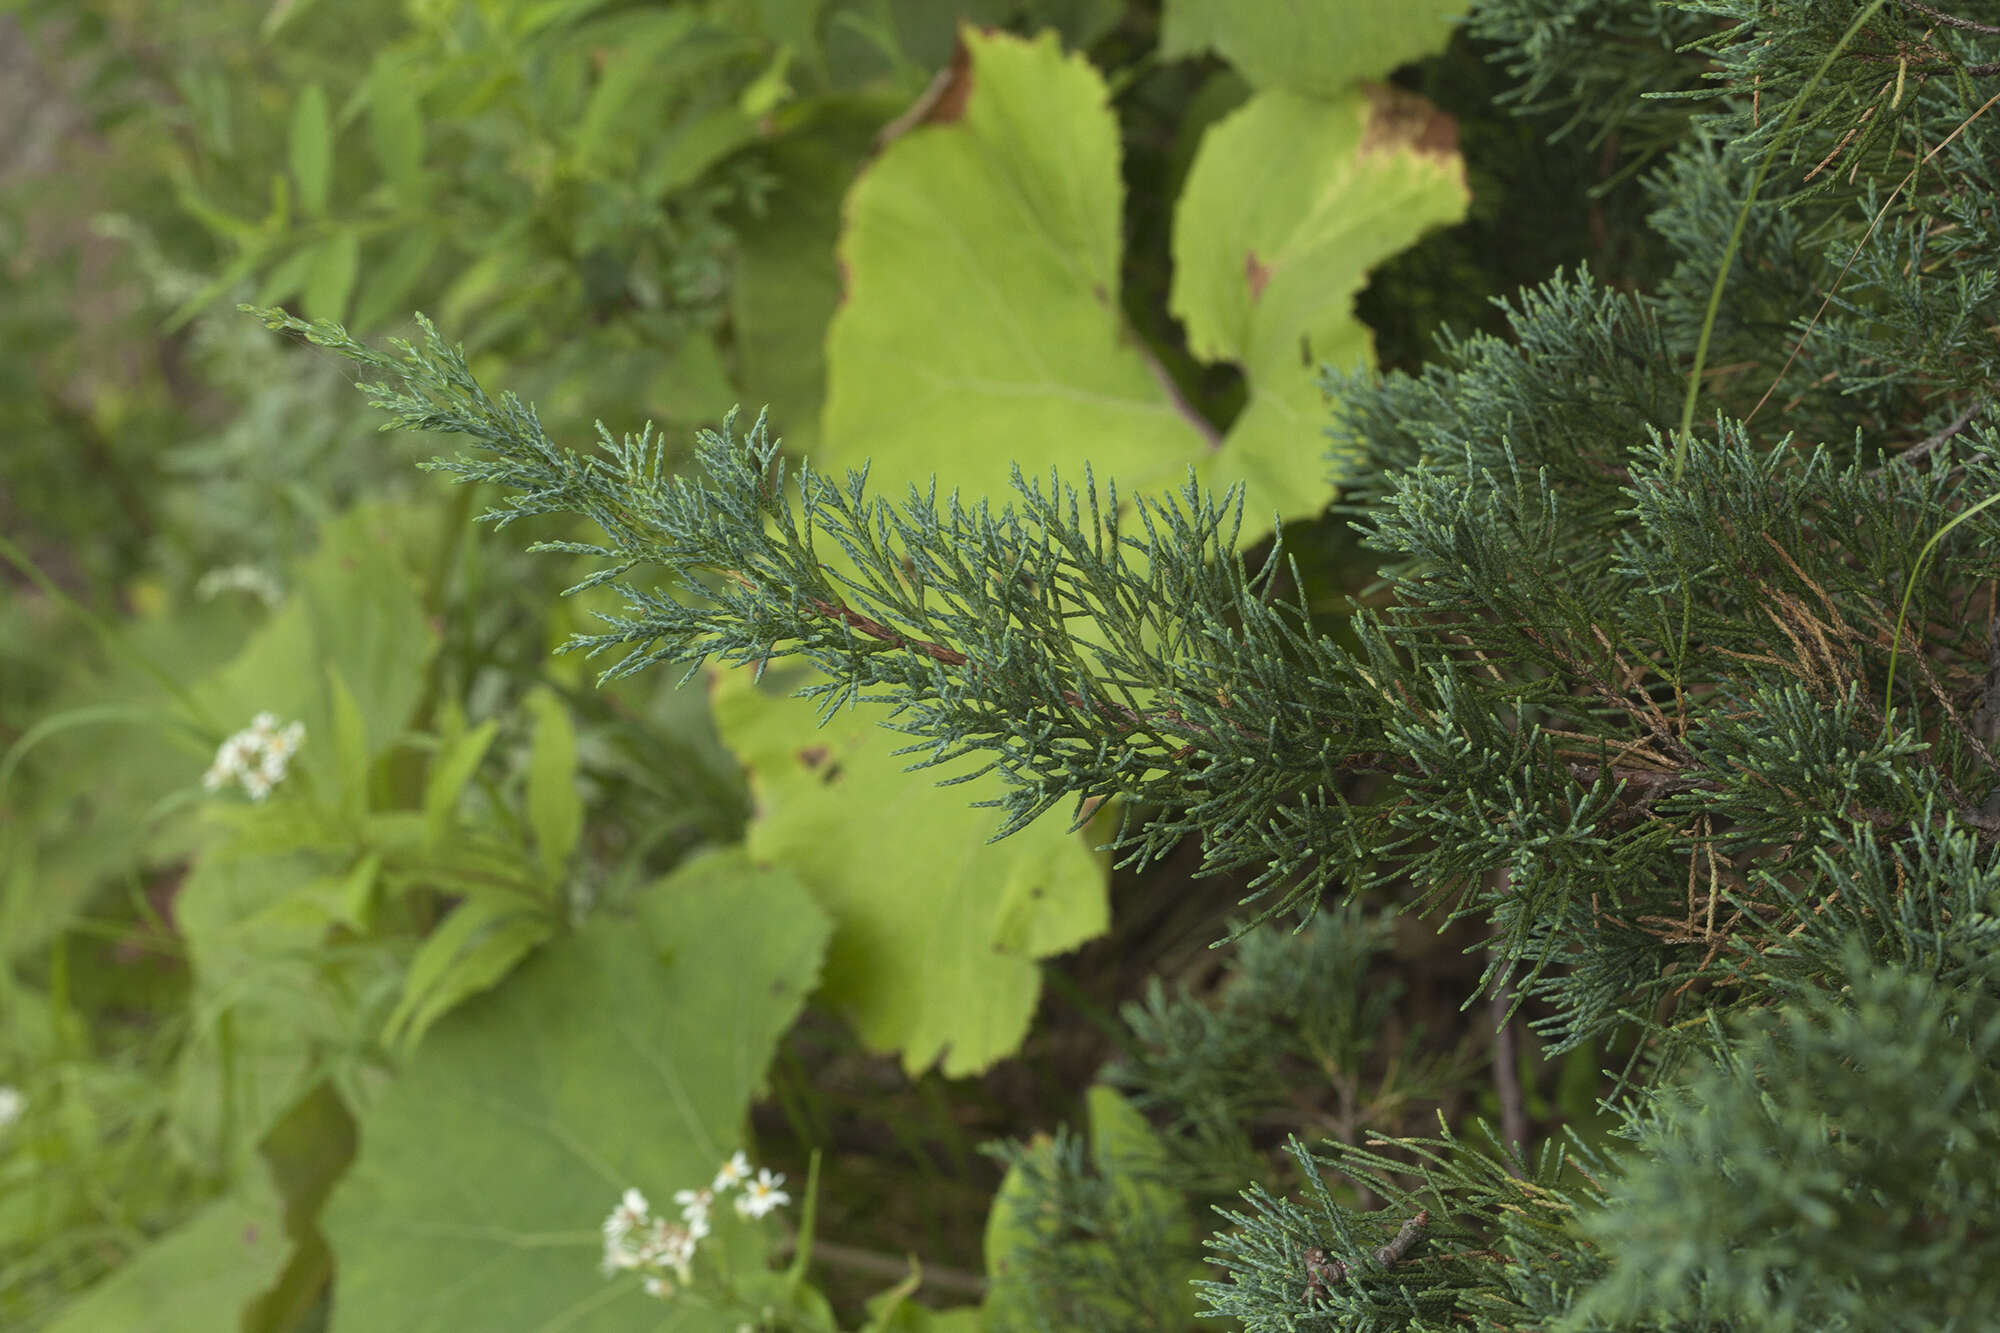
(762,1195)
(627,1217)
(659,1288)
(256,757)
(12,1105)
(733,1173)
(694,1204)
(240,578)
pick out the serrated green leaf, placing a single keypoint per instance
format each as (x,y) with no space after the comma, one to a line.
(555,810)
(201,1276)
(1317,47)
(331,280)
(1290,202)
(312,149)
(450,770)
(623,1055)
(396,129)
(920,913)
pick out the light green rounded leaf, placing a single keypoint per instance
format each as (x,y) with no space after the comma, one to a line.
(936,929)
(981,326)
(981,323)
(1289,204)
(624,1055)
(1318,47)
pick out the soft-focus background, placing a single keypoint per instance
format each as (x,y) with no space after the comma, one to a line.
(378,1047)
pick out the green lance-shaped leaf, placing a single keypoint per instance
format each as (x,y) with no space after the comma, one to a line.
(624,1055)
(312,149)
(1317,47)
(555,810)
(396,128)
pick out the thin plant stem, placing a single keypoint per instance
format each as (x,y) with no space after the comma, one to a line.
(1743,221)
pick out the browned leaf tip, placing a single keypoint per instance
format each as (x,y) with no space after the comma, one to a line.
(1400,121)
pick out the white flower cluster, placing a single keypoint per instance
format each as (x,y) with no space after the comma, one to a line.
(635,1240)
(255,756)
(12,1104)
(240,578)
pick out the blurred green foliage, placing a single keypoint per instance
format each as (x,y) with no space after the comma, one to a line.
(624,210)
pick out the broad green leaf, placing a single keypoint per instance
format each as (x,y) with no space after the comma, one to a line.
(1317,47)
(982,258)
(1290,202)
(396,128)
(200,1277)
(450,770)
(935,928)
(623,1055)
(981,325)
(312,149)
(555,810)
(331,279)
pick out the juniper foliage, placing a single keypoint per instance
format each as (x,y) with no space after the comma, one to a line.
(1650,705)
